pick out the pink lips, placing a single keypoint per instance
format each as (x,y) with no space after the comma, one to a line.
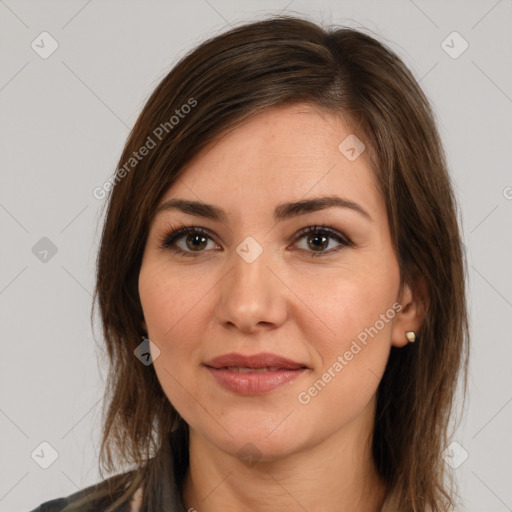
(253,375)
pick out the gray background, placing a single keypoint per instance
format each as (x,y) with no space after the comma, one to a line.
(64,123)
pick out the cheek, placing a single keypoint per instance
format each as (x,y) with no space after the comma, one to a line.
(350,334)
(352,352)
(340,303)
(178,313)
(173,310)
(170,301)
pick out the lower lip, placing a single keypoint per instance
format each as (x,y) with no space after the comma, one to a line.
(253,383)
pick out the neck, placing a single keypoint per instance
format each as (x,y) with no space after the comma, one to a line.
(337,474)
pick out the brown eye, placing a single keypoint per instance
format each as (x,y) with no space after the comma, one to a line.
(318,242)
(196,242)
(319,238)
(187,241)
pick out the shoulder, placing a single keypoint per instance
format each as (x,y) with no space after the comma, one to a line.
(166,470)
(58,504)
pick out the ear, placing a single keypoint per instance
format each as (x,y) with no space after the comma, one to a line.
(414,302)
(144,326)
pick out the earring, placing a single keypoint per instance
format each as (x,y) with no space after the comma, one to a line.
(410,335)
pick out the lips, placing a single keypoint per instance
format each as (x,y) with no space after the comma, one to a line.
(264,360)
(245,369)
(253,375)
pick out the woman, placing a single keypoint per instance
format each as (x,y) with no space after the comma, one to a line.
(281,285)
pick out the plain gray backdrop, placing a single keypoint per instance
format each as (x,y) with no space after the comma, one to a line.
(65,117)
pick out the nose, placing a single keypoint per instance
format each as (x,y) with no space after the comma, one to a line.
(252,297)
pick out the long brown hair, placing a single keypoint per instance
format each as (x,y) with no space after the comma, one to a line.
(230,77)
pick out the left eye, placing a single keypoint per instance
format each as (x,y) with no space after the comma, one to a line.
(316,238)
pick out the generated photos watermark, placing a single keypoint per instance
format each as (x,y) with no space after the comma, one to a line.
(305,397)
(151,142)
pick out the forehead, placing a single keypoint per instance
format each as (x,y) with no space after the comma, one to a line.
(290,152)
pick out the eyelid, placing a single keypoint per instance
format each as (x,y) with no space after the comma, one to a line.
(323,228)
(174,233)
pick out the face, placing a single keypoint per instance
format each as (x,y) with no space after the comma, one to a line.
(317,286)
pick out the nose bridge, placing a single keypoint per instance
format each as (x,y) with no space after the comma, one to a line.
(250,263)
(251,294)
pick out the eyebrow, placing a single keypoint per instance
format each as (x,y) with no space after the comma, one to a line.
(282,212)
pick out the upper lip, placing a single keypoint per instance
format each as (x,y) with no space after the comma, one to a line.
(262,360)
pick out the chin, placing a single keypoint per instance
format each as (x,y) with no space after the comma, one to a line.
(253,441)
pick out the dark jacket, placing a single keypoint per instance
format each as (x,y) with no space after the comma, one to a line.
(171,464)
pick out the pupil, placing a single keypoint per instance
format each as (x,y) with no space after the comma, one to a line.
(323,244)
(202,243)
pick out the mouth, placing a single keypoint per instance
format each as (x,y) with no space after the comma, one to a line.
(264,361)
(253,375)
(245,369)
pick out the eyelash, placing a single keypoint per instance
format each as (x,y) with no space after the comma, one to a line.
(168,240)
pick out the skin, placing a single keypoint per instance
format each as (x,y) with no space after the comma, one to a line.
(313,456)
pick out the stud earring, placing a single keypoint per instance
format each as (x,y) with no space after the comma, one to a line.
(411,336)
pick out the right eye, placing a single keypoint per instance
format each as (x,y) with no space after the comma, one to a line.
(186,240)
